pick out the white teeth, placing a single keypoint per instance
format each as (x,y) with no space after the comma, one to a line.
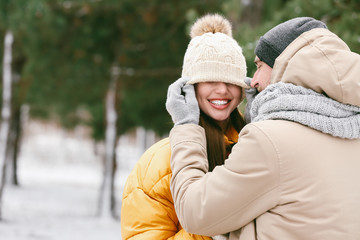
(219,102)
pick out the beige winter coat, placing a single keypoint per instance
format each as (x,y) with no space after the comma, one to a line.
(282,180)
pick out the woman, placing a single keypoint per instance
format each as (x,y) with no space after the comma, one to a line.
(215,65)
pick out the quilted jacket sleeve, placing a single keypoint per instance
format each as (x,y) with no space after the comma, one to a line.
(147,210)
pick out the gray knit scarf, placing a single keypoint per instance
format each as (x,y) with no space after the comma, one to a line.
(295,103)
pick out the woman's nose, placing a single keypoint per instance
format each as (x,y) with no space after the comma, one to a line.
(220,87)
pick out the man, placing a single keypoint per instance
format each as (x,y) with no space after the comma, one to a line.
(294,172)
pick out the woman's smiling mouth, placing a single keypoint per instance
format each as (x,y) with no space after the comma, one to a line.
(219,103)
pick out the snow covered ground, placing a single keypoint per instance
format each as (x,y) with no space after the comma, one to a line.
(59,177)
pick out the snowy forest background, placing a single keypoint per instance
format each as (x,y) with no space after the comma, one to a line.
(83,89)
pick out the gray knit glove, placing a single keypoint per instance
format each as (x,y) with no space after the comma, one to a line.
(250,94)
(181,103)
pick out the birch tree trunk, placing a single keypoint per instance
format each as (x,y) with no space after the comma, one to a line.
(13,148)
(107,199)
(6,109)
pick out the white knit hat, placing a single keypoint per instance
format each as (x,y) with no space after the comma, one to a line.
(212,54)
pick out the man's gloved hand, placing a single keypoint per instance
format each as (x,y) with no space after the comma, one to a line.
(181,103)
(250,94)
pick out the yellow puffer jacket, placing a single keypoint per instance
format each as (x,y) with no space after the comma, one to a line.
(147,210)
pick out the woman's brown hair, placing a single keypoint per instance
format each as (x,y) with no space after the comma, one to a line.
(215,145)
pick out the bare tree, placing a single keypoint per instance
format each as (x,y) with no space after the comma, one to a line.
(6,109)
(252,13)
(13,147)
(107,198)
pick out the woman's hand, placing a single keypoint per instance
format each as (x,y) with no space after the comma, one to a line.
(250,95)
(181,103)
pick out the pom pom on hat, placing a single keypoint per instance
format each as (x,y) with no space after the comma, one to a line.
(274,42)
(212,54)
(212,23)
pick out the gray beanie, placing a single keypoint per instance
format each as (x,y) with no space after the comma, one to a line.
(274,42)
